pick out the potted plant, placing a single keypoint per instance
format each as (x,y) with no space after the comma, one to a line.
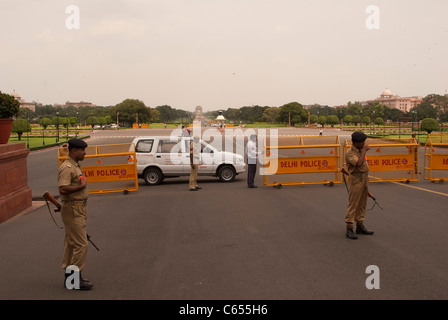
(9,108)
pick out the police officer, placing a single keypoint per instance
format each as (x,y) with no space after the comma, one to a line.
(358,181)
(73,189)
(194,164)
(252,154)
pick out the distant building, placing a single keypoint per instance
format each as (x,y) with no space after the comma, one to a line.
(395,102)
(79,104)
(23,104)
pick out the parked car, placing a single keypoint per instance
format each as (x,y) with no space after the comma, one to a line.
(166,157)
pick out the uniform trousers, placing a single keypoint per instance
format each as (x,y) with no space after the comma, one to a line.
(74,216)
(357,200)
(193,176)
(251,171)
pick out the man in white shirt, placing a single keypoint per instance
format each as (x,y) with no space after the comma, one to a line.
(252,154)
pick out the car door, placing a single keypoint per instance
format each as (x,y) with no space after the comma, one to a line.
(144,154)
(168,157)
(207,165)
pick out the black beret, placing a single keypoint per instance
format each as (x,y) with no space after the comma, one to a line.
(76,143)
(358,136)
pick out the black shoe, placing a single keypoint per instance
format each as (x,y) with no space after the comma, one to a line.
(254,186)
(350,234)
(360,229)
(198,188)
(85,285)
(194,189)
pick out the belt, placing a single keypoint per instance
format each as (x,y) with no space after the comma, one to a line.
(82,202)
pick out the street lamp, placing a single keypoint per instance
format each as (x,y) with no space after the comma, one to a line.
(28,135)
(117,119)
(57,126)
(361,120)
(77,124)
(67,127)
(373,120)
(340,112)
(413,112)
(43,132)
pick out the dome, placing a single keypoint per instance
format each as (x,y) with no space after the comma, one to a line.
(387,93)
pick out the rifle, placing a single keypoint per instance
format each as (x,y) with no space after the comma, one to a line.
(49,198)
(346,173)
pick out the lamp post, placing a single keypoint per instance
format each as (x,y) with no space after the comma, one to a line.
(28,134)
(413,112)
(43,132)
(373,120)
(77,124)
(57,126)
(360,124)
(117,119)
(340,113)
(68,121)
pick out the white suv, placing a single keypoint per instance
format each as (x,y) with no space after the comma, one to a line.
(166,156)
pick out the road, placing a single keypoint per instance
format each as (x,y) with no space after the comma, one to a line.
(229,242)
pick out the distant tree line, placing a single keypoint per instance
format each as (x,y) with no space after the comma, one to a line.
(131,111)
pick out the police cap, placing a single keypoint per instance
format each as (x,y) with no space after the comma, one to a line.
(358,136)
(76,143)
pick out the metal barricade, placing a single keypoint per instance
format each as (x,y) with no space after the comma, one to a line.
(302,160)
(436,159)
(108,168)
(391,159)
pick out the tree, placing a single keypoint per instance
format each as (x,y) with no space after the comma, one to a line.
(429,125)
(356,119)
(129,110)
(73,121)
(289,110)
(45,122)
(313,118)
(322,120)
(92,121)
(269,114)
(20,126)
(396,114)
(379,121)
(348,119)
(332,120)
(366,120)
(154,115)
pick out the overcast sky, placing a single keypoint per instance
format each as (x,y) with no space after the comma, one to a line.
(222,53)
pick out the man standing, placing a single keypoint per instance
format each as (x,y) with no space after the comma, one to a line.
(358,181)
(73,189)
(252,154)
(194,161)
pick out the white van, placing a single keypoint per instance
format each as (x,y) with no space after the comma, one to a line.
(166,156)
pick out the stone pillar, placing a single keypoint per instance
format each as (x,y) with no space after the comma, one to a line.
(15,195)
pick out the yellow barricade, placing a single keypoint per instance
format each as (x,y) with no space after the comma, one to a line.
(391,159)
(108,168)
(436,159)
(302,160)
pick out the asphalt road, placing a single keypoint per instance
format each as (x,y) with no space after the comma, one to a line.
(228,242)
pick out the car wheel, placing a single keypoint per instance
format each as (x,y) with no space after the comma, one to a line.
(152,176)
(226,173)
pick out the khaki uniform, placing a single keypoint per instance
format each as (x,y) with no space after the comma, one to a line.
(74,216)
(194,160)
(358,182)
